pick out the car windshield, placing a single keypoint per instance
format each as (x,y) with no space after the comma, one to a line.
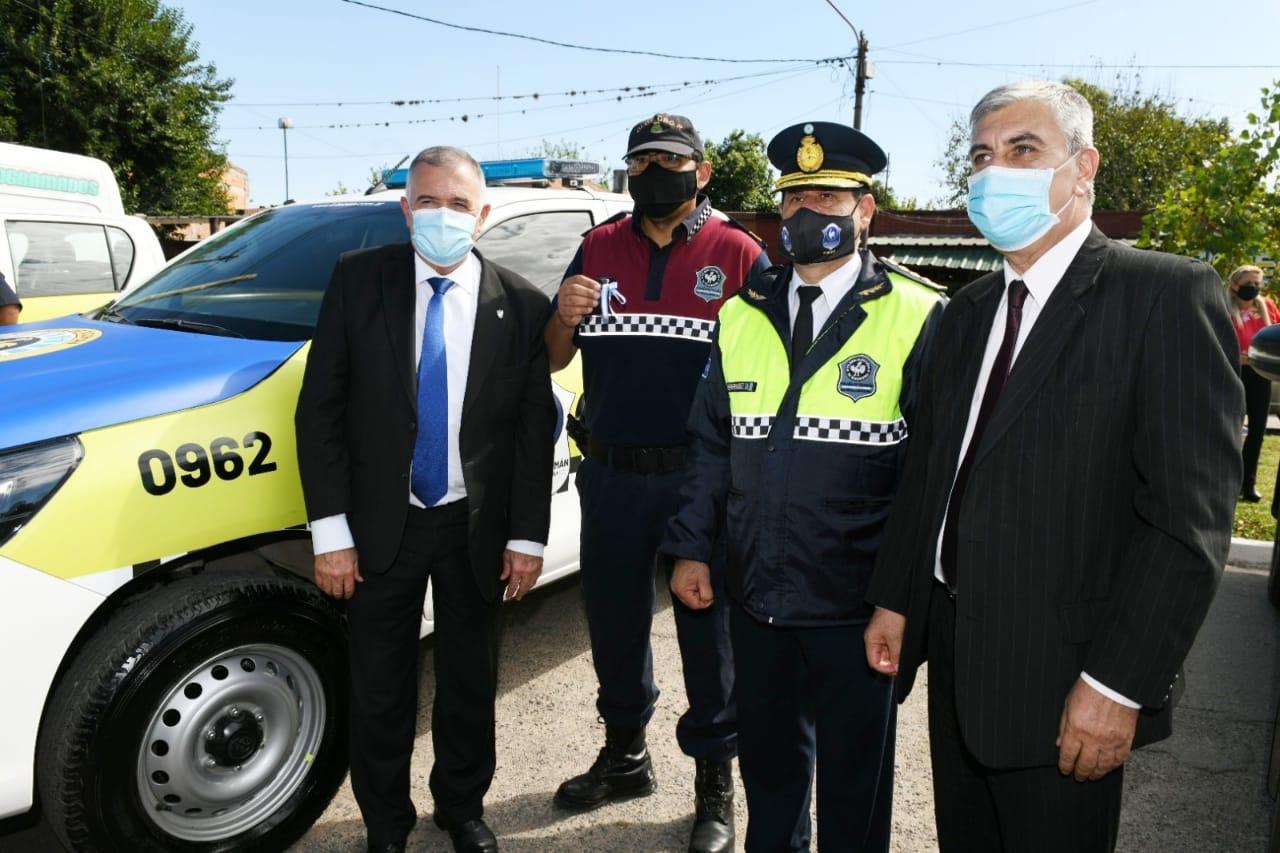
(264,278)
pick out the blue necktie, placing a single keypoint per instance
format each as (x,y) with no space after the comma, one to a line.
(431,450)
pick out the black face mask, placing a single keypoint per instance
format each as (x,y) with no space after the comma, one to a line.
(658,191)
(1247,291)
(809,237)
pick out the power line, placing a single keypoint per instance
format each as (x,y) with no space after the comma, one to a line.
(570,45)
(989,26)
(634,87)
(956,62)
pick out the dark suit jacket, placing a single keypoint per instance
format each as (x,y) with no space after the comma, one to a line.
(1098,511)
(357,412)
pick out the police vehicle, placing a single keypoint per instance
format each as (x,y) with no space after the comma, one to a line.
(65,242)
(174,679)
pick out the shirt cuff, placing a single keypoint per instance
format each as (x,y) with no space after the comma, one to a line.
(1108,692)
(331,533)
(525,546)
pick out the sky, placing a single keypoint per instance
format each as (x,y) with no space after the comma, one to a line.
(932,61)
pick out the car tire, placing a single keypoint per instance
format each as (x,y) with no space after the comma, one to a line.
(206,715)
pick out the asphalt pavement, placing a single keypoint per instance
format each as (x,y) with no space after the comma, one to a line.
(1202,790)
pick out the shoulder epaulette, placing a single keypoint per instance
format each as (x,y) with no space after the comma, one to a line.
(736,224)
(612,219)
(761,286)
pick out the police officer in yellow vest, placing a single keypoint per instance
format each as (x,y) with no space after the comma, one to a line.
(799,431)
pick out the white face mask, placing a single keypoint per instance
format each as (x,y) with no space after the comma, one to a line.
(1011,206)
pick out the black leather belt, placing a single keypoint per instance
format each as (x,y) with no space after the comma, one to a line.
(637,460)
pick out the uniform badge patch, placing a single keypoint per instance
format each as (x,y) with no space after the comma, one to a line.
(831,236)
(709,284)
(858,377)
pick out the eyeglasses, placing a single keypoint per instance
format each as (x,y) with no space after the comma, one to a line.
(637,163)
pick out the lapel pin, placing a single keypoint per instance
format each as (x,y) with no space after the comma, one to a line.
(500,312)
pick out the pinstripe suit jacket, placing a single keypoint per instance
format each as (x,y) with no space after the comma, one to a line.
(1098,512)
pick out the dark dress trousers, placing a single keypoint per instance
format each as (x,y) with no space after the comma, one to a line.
(356,423)
(1095,522)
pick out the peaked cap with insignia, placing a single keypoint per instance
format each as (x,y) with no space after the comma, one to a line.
(825,154)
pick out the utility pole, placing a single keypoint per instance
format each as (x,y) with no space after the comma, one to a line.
(284,124)
(860,78)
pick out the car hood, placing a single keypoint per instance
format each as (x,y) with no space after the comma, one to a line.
(65,376)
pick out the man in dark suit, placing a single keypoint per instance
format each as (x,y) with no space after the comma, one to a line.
(1066,506)
(425,447)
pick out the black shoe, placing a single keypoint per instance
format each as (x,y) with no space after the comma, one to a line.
(713,808)
(387,847)
(1249,494)
(622,770)
(472,836)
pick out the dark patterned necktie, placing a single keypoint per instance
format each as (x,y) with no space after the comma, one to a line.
(995,384)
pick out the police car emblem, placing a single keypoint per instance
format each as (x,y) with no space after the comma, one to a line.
(785,236)
(858,377)
(709,284)
(831,236)
(43,341)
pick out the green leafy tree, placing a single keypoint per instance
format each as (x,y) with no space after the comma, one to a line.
(887,199)
(1227,204)
(120,80)
(741,178)
(1143,141)
(562,150)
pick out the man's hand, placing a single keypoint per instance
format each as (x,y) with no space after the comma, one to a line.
(1095,735)
(691,583)
(577,298)
(520,571)
(338,572)
(883,639)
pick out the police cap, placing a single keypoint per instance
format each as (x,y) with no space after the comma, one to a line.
(665,132)
(825,154)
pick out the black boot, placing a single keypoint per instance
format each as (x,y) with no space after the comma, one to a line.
(713,804)
(621,771)
(1249,493)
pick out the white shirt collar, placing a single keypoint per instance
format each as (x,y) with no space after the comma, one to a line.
(466,276)
(835,284)
(1043,276)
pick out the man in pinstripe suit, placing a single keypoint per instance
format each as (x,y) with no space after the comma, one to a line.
(1066,505)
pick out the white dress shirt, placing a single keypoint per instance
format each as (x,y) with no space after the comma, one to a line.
(460,304)
(1041,279)
(835,286)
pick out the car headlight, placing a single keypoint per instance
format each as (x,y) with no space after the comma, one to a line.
(29,476)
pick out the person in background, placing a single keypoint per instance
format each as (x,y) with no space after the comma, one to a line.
(10,305)
(1251,311)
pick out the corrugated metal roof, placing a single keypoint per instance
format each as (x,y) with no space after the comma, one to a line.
(927,240)
(975,258)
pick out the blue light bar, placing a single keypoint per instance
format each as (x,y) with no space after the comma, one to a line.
(532,168)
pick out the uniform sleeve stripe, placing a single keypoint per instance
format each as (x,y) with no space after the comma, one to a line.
(648,325)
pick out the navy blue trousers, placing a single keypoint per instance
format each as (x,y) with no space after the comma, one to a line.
(806,696)
(624,516)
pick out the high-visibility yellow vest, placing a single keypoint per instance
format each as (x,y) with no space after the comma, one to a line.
(853,398)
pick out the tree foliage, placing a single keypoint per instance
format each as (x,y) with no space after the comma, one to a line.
(120,80)
(1226,205)
(1143,141)
(741,179)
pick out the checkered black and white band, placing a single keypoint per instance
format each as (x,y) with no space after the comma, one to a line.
(751,426)
(648,325)
(824,429)
(850,431)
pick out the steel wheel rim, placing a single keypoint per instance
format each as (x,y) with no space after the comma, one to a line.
(231,742)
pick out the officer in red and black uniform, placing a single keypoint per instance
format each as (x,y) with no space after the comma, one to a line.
(640,300)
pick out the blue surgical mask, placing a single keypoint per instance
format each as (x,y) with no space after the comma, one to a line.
(1011,206)
(441,235)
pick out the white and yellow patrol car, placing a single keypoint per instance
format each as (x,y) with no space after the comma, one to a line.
(173,679)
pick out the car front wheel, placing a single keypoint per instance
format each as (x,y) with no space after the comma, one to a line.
(206,715)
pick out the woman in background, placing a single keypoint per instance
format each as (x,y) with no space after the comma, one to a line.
(1251,311)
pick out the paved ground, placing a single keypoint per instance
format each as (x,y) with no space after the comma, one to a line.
(1202,790)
